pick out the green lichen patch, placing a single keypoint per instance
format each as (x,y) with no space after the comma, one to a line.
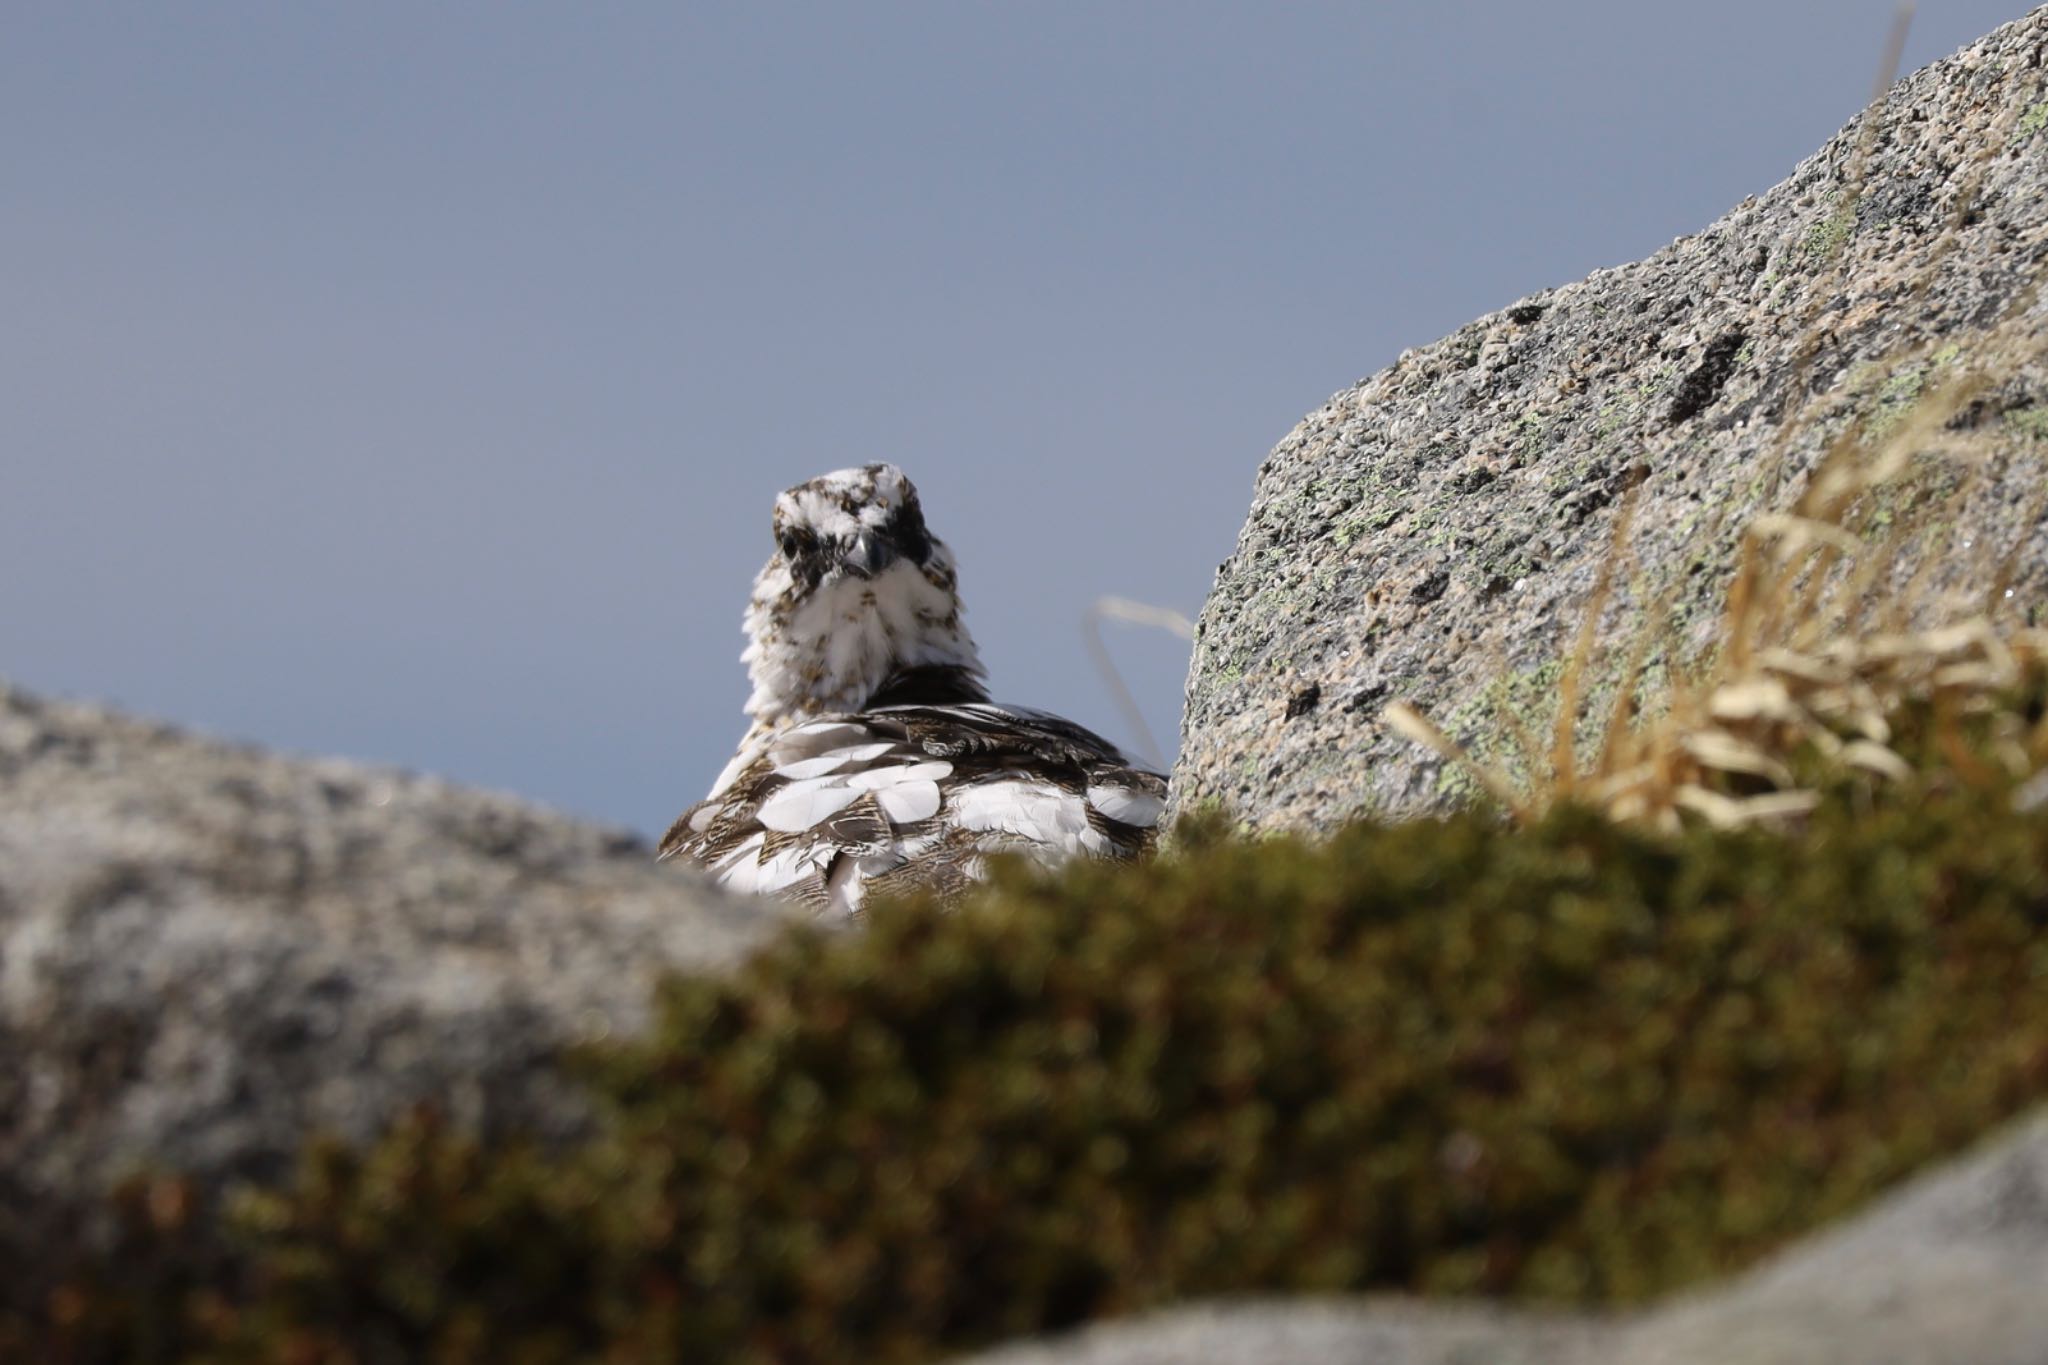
(2031,423)
(1826,238)
(1493,725)
(1895,400)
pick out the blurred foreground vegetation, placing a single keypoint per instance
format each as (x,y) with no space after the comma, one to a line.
(1570,1060)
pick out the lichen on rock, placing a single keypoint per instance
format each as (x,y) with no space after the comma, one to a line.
(1440,526)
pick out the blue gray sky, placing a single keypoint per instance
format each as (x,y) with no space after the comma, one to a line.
(412,382)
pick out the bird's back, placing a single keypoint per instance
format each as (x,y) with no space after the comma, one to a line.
(835,809)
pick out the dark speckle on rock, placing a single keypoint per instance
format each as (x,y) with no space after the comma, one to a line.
(1304,700)
(1704,384)
(1367,697)
(1431,588)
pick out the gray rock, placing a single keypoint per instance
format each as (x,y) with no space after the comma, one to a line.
(208,952)
(1433,534)
(1321,1332)
(1949,1271)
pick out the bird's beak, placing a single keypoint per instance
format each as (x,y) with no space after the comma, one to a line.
(871,554)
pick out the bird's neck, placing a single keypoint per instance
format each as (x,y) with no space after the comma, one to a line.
(845,647)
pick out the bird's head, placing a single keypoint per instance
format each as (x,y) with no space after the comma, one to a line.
(857,593)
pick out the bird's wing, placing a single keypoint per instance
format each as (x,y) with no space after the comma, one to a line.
(915,796)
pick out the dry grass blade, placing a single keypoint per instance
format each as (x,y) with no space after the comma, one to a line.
(1872,757)
(1794,534)
(1411,724)
(1564,760)
(1729,812)
(1140,614)
(1724,752)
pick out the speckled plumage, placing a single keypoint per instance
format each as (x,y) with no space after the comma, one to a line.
(875,759)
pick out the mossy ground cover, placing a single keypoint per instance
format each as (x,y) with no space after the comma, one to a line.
(1572,1061)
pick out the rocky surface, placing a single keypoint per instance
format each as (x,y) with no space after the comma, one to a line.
(1433,534)
(1948,1270)
(208,951)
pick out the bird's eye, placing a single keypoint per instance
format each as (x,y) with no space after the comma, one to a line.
(792,542)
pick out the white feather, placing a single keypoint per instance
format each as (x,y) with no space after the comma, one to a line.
(876,778)
(767,875)
(1035,812)
(813,767)
(801,805)
(909,802)
(1130,806)
(832,761)
(744,854)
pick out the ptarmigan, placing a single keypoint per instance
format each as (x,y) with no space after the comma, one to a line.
(876,760)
